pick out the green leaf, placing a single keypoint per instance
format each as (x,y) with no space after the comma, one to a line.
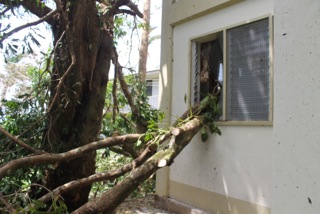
(204,135)
(214,129)
(139,142)
(38,204)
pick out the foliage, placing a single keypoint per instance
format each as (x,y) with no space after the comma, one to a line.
(211,104)
(107,161)
(124,123)
(23,116)
(27,42)
(20,202)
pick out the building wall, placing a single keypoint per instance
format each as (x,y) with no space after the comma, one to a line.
(229,173)
(296,144)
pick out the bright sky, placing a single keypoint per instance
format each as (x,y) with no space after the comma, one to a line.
(154,48)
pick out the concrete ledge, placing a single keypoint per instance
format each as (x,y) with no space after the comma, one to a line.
(177,207)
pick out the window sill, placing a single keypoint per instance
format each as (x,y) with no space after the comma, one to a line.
(244,123)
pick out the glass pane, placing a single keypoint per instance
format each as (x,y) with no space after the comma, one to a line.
(248,72)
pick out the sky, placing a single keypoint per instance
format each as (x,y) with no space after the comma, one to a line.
(154,48)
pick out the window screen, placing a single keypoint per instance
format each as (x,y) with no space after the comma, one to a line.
(248,72)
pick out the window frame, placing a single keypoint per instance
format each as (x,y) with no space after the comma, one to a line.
(211,36)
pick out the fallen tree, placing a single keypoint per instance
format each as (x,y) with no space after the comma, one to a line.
(55,153)
(160,152)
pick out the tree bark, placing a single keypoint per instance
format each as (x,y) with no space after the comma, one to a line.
(78,90)
(143,52)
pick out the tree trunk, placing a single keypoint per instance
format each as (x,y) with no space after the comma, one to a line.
(143,52)
(77,101)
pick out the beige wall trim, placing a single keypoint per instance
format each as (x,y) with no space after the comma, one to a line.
(213,202)
(174,206)
(162,182)
(184,10)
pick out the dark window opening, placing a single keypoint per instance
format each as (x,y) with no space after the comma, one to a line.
(211,67)
(149,87)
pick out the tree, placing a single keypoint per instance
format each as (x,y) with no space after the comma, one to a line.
(143,53)
(70,123)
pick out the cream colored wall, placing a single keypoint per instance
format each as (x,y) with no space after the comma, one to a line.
(296,146)
(237,164)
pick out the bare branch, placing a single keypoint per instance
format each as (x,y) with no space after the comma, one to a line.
(124,11)
(71,50)
(134,8)
(115,108)
(4,11)
(119,3)
(19,142)
(9,206)
(124,86)
(143,51)
(32,6)
(17,29)
(110,175)
(120,151)
(72,154)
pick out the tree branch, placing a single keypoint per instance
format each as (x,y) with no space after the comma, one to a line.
(71,50)
(180,137)
(32,6)
(124,11)
(72,154)
(144,44)
(20,143)
(109,200)
(134,8)
(10,208)
(119,3)
(17,29)
(4,11)
(115,108)
(124,86)
(100,176)
(143,156)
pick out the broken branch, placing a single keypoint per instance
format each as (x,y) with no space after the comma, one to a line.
(48,158)
(19,142)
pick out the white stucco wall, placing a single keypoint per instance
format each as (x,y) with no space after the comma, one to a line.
(238,163)
(296,147)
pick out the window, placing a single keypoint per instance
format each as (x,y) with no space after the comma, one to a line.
(238,59)
(149,87)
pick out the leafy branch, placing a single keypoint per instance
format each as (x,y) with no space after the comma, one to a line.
(17,29)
